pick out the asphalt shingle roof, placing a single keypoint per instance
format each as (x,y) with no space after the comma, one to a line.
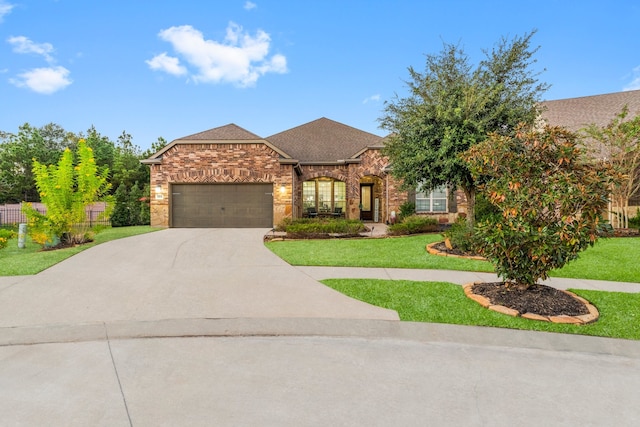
(230,132)
(324,140)
(577,113)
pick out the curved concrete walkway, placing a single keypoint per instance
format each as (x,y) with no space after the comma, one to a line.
(207,327)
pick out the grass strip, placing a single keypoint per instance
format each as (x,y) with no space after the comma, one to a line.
(395,252)
(441,302)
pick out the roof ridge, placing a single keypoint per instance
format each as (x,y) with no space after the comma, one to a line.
(593,96)
(231,130)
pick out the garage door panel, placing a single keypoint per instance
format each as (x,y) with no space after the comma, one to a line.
(222,205)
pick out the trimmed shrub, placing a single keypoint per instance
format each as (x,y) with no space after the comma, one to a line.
(413,224)
(320,227)
(461,236)
(407,209)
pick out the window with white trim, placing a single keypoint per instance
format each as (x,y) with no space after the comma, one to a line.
(433,201)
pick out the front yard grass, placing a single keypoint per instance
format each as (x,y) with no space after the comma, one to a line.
(32,259)
(441,302)
(614,259)
(394,252)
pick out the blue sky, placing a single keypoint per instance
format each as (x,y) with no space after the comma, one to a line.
(173,68)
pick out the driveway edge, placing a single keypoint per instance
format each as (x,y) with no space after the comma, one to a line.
(330,328)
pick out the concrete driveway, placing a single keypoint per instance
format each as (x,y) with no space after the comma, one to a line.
(208,328)
(175,274)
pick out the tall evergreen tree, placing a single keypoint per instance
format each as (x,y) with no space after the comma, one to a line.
(452,106)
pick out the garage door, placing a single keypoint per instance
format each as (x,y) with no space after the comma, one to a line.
(222,205)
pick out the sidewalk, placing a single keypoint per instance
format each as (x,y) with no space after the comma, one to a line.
(457,277)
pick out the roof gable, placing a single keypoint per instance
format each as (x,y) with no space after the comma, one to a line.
(577,113)
(324,140)
(222,134)
(230,132)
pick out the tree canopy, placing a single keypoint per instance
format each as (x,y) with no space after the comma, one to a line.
(47,144)
(17,153)
(619,143)
(453,105)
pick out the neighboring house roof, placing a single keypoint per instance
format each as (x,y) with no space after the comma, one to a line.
(324,141)
(577,113)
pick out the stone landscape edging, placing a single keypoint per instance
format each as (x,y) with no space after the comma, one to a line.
(576,320)
(433,251)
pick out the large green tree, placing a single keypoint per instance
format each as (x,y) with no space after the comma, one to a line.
(17,153)
(127,168)
(104,149)
(453,105)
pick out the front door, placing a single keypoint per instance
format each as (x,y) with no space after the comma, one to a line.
(366,202)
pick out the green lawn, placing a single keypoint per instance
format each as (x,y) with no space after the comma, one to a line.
(614,259)
(440,302)
(395,252)
(32,259)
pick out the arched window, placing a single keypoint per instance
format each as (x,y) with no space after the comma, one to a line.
(324,194)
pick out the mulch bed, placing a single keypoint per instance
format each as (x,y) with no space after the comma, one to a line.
(441,247)
(537,299)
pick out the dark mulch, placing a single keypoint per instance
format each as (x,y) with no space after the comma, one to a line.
(64,245)
(537,299)
(441,247)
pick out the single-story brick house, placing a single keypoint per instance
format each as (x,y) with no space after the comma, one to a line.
(230,177)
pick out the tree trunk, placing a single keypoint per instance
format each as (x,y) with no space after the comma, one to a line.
(470,194)
(625,214)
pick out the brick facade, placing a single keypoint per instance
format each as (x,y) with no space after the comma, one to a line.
(230,154)
(219,163)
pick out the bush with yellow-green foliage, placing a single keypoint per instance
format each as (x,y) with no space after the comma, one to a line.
(67,189)
(5,236)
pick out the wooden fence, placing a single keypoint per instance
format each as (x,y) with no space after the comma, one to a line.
(12,214)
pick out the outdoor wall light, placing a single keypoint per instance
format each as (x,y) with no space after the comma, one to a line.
(283,189)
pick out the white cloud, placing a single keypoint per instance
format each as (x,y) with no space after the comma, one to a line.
(372,98)
(166,63)
(239,59)
(635,80)
(44,80)
(250,5)
(22,44)
(5,9)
